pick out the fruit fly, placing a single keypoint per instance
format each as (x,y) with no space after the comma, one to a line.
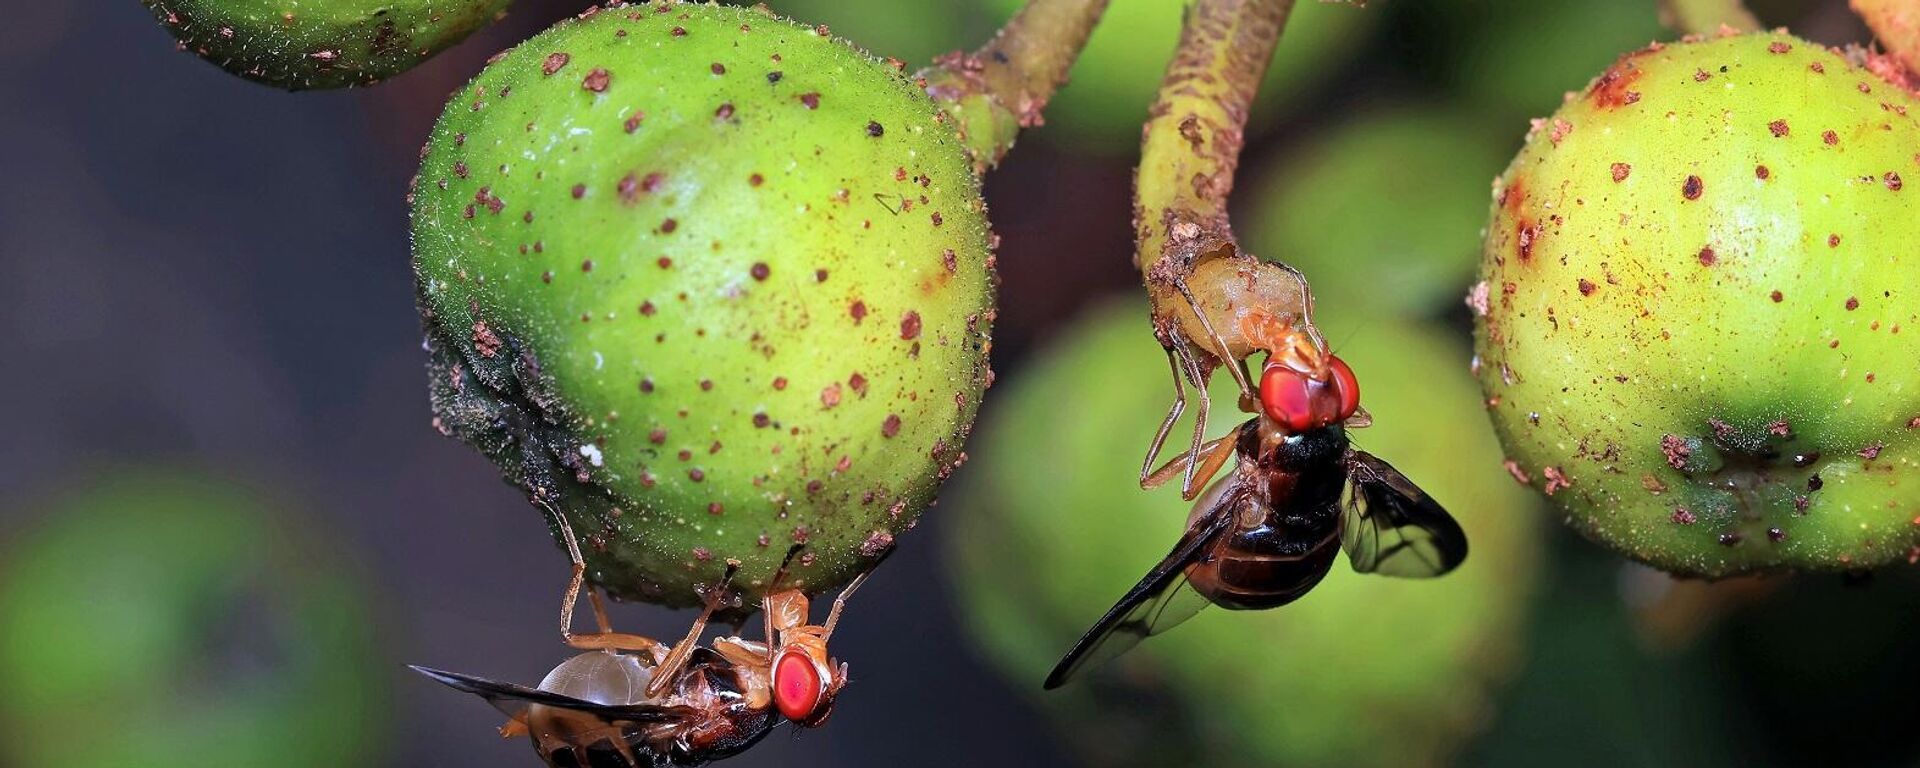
(1218,310)
(631,701)
(1266,533)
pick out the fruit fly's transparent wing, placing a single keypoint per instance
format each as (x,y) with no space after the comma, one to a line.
(1392,527)
(513,699)
(1161,600)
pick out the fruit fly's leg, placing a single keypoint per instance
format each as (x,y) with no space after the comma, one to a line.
(605,639)
(515,727)
(1212,457)
(599,612)
(1198,375)
(1239,372)
(833,615)
(668,669)
(1173,415)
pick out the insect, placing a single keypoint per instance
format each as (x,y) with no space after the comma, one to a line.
(631,701)
(1215,310)
(1266,533)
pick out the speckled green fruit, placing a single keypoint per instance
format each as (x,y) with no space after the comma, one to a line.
(301,44)
(1320,208)
(1113,81)
(1697,328)
(1052,528)
(171,619)
(716,282)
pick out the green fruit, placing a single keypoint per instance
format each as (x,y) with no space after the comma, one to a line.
(1697,278)
(1321,205)
(301,44)
(1053,528)
(715,282)
(1114,80)
(171,619)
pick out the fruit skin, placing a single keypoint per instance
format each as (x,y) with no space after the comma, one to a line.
(1700,262)
(1052,528)
(755,317)
(187,611)
(302,44)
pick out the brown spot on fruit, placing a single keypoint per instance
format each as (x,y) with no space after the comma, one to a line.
(1762,173)
(1830,138)
(875,129)
(1893,181)
(1518,473)
(1613,89)
(1853,303)
(1556,480)
(1682,516)
(718,68)
(910,326)
(596,80)
(858,310)
(1586,287)
(830,395)
(810,100)
(1621,171)
(1779,129)
(759,271)
(890,426)
(1676,450)
(1707,257)
(1779,47)
(1833,241)
(554,63)
(1692,187)
(1872,452)
(1777,296)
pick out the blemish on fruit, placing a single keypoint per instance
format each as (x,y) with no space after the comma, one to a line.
(1621,171)
(1556,480)
(1830,138)
(1779,129)
(1692,187)
(890,426)
(1708,257)
(596,80)
(1682,516)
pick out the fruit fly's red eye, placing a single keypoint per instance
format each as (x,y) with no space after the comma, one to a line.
(796,685)
(1287,397)
(1346,385)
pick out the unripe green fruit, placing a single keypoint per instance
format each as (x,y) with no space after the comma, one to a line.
(206,628)
(1696,331)
(717,283)
(301,44)
(1053,528)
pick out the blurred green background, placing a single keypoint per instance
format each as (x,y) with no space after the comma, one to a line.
(225,520)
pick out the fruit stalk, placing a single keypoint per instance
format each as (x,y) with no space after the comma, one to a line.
(1707,17)
(1192,140)
(999,89)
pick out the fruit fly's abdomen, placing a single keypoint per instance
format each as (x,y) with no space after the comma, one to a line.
(566,737)
(1267,566)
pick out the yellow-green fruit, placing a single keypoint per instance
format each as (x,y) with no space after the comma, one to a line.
(1696,330)
(172,619)
(300,44)
(1053,528)
(713,282)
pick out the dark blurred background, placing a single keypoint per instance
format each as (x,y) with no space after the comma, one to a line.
(207,306)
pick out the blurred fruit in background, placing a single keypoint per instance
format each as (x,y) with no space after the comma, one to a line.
(913,32)
(1384,210)
(178,619)
(1105,101)
(1519,57)
(1051,528)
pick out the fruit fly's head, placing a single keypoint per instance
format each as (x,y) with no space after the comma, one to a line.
(1304,388)
(805,681)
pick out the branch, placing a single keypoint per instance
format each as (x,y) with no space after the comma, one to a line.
(1192,140)
(1001,88)
(1707,17)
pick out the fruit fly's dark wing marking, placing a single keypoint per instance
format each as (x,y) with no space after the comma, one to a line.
(1160,601)
(1392,527)
(512,699)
